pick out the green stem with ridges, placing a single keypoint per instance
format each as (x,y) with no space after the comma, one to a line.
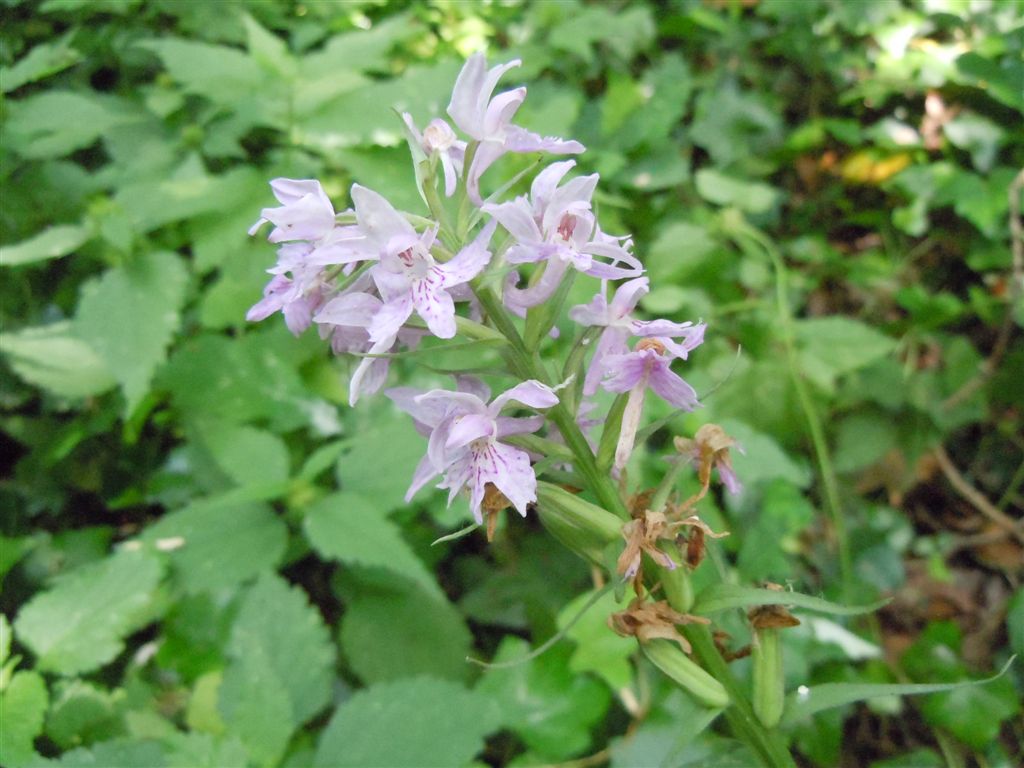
(811,415)
(528,366)
(744,723)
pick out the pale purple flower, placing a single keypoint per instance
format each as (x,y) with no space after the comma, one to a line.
(465,445)
(407,276)
(345,320)
(296,297)
(647,366)
(488,120)
(556,225)
(619,324)
(439,139)
(305,212)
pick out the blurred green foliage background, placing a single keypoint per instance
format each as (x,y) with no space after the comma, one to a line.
(205,555)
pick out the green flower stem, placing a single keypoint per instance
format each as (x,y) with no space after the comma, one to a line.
(767,745)
(668,482)
(528,366)
(743,230)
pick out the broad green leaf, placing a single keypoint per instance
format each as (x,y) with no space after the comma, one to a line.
(805,701)
(129,316)
(249,456)
(123,753)
(863,438)
(23,703)
(82,713)
(80,623)
(51,357)
(833,346)
(598,649)
(225,75)
(365,116)
(187,192)
(42,61)
(544,701)
(623,31)
(295,631)
(212,547)
(352,529)
(53,242)
(783,514)
(201,750)
(39,125)
(420,721)
(238,380)
(391,632)
(256,705)
(721,597)
(747,195)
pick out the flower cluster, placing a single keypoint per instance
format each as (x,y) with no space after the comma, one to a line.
(376,280)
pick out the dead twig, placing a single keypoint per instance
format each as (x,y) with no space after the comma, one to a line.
(976,498)
(1016,292)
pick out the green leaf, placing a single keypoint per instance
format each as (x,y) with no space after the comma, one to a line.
(364,115)
(296,631)
(225,75)
(237,380)
(408,722)
(51,357)
(80,623)
(42,61)
(721,597)
(256,706)
(747,195)
(123,753)
(402,630)
(598,649)
(807,701)
(39,126)
(23,703)
(350,528)
(129,316)
(833,346)
(544,702)
(783,515)
(51,243)
(82,713)
(215,546)
(249,456)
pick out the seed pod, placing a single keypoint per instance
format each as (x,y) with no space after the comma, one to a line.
(667,657)
(769,684)
(583,527)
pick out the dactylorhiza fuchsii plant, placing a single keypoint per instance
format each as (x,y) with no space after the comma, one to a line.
(375,281)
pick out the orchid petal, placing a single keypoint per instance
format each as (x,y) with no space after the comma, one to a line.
(424,473)
(530,393)
(378,218)
(623,372)
(465,429)
(390,317)
(671,388)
